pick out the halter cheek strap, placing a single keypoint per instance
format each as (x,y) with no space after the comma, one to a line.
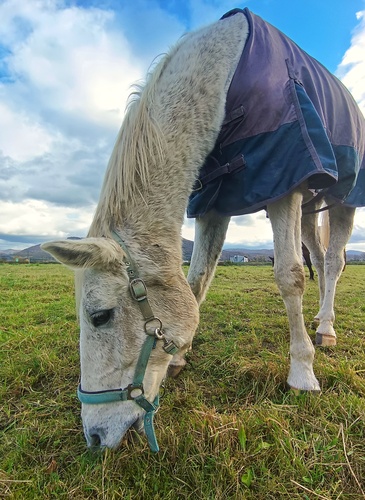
(153,329)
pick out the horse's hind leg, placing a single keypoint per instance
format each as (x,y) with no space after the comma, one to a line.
(285,218)
(210,233)
(341,223)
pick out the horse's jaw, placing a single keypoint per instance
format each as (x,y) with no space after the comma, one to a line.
(105,425)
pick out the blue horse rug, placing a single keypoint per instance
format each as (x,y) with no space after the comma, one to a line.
(287,120)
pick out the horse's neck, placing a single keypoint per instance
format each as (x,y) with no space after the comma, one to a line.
(188,107)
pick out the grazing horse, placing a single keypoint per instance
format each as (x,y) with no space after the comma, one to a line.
(233,103)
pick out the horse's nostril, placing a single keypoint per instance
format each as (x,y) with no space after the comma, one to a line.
(95,440)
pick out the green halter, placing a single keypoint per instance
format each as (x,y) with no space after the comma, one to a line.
(154,332)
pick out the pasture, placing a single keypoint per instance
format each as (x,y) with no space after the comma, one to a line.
(227,427)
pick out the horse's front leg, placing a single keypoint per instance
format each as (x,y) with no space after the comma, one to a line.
(210,233)
(285,218)
(341,220)
(311,237)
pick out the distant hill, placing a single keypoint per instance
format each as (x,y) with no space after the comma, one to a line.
(187,249)
(251,253)
(36,254)
(258,253)
(355,255)
(8,251)
(7,255)
(227,253)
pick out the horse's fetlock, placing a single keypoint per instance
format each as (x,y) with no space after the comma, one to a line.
(303,353)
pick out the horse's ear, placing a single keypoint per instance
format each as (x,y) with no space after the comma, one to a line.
(100,253)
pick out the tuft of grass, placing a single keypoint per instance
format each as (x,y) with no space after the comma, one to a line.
(227,427)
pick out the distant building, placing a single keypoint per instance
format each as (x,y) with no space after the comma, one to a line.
(20,260)
(238,259)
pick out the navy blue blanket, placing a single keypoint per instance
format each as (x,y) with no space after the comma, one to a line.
(287,120)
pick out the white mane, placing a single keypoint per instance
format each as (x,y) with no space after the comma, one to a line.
(139,146)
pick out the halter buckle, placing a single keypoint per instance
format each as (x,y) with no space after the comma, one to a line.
(138,289)
(170,347)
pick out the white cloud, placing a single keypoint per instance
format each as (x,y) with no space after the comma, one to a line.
(21,137)
(65,76)
(252,230)
(352,68)
(352,73)
(37,218)
(64,83)
(72,57)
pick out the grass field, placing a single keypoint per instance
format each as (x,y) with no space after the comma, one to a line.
(227,427)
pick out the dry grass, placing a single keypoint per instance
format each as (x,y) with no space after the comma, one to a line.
(227,427)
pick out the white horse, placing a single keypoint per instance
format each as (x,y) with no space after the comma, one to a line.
(129,337)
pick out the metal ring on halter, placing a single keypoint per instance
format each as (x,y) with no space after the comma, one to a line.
(157,331)
(159,334)
(135,391)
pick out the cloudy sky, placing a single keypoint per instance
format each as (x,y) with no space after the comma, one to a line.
(66,70)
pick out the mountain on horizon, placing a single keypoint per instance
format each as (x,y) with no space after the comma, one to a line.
(36,254)
(8,251)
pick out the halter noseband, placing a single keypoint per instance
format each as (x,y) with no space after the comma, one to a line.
(135,390)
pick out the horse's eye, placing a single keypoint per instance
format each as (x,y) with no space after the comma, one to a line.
(100,318)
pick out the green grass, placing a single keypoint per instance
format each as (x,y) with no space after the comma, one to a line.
(227,427)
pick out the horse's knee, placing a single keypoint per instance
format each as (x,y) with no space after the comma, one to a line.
(335,263)
(290,281)
(197,286)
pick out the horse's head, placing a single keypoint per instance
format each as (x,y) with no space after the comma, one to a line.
(123,345)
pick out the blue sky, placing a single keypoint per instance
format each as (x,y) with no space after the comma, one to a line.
(66,70)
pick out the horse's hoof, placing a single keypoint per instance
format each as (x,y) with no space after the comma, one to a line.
(314,324)
(324,340)
(295,391)
(298,392)
(174,370)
